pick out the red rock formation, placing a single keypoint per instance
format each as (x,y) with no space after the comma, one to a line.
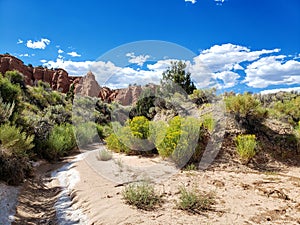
(61,81)
(88,86)
(58,78)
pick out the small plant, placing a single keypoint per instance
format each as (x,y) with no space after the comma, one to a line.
(141,195)
(61,141)
(246,145)
(195,202)
(191,167)
(104,155)
(208,122)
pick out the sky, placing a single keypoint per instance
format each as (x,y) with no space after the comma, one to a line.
(239,45)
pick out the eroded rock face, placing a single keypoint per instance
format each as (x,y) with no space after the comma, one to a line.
(58,78)
(88,86)
(128,96)
(8,62)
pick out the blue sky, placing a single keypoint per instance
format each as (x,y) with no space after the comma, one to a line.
(235,44)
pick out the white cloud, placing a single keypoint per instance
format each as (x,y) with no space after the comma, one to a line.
(24,55)
(139,60)
(228,78)
(221,66)
(60,51)
(20,41)
(43,60)
(272,70)
(73,68)
(228,56)
(74,54)
(41,44)
(280,89)
(191,1)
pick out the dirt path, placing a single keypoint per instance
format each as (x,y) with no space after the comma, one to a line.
(37,197)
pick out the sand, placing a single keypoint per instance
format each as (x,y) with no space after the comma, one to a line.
(243,196)
(84,190)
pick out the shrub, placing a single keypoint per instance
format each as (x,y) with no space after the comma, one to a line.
(86,133)
(181,140)
(61,141)
(245,106)
(8,91)
(200,97)
(139,126)
(195,202)
(15,142)
(104,155)
(169,143)
(16,78)
(288,108)
(246,145)
(13,169)
(6,110)
(142,196)
(208,122)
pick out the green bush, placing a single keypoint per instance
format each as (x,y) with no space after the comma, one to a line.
(8,91)
(86,133)
(61,141)
(246,145)
(6,110)
(181,140)
(208,122)
(195,202)
(142,195)
(114,144)
(15,78)
(139,126)
(289,109)
(245,106)
(14,141)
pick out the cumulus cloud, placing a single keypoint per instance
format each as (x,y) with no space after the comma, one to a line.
(20,41)
(272,70)
(229,79)
(41,44)
(60,51)
(280,89)
(221,66)
(73,68)
(191,1)
(74,54)
(228,56)
(139,60)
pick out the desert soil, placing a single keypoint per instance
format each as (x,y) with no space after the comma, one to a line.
(243,195)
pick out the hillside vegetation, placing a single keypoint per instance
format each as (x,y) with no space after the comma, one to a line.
(38,123)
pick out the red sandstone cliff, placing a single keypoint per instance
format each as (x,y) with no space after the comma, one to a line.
(60,80)
(57,78)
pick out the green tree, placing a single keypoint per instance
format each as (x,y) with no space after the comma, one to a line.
(177,74)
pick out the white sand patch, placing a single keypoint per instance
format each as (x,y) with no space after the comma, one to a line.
(66,212)
(8,202)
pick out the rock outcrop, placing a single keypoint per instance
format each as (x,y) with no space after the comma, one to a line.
(60,80)
(57,78)
(88,86)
